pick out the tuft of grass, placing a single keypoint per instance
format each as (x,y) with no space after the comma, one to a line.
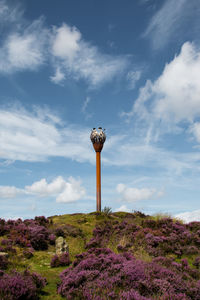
(107,211)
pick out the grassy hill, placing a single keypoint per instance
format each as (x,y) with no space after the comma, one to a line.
(163,255)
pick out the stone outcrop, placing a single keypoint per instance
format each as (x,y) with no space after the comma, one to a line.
(4,254)
(61,246)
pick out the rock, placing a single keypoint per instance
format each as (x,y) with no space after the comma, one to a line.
(61,246)
(4,254)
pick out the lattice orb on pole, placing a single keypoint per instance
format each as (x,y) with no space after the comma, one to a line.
(98,138)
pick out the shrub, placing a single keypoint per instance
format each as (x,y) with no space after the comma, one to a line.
(21,286)
(60,260)
(60,232)
(107,211)
(39,237)
(3,229)
(3,262)
(27,233)
(42,221)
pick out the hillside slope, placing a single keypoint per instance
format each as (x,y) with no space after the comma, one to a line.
(111,256)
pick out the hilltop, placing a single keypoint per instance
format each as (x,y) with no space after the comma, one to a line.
(111,256)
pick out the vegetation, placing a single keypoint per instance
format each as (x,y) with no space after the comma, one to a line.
(111,256)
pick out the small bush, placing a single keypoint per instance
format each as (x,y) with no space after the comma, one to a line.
(60,260)
(39,237)
(42,221)
(107,211)
(21,286)
(3,262)
(60,232)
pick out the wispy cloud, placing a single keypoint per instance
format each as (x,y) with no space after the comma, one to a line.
(85,104)
(10,13)
(39,135)
(58,77)
(84,108)
(132,78)
(169,19)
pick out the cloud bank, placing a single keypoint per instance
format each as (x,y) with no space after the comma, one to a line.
(64,191)
(189,216)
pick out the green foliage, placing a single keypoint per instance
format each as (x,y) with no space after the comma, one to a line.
(107,211)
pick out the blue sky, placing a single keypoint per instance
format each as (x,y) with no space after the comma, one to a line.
(132,68)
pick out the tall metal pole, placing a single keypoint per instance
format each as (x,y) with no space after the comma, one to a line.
(98,180)
(98,138)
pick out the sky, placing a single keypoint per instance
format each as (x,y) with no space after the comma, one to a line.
(131,67)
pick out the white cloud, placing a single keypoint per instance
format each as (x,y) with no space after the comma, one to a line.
(189,216)
(178,88)
(42,188)
(66,43)
(24,51)
(64,191)
(73,191)
(10,192)
(174,97)
(122,208)
(129,194)
(82,60)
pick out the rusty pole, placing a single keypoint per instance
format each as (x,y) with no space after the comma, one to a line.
(98,180)
(98,138)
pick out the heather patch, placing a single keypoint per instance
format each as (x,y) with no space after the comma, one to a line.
(107,251)
(98,272)
(24,285)
(60,260)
